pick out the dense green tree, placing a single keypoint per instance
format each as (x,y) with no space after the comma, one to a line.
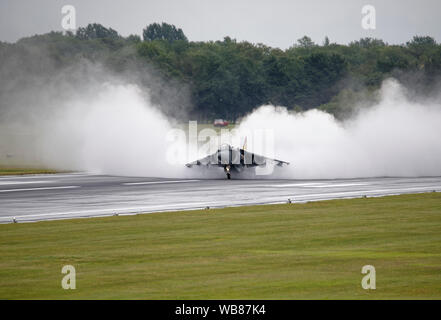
(422,47)
(368,43)
(419,41)
(228,78)
(305,42)
(392,58)
(96,31)
(134,38)
(163,31)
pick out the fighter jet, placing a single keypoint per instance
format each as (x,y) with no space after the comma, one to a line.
(234,160)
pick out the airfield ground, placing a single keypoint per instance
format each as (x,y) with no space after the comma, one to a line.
(292,251)
(13,170)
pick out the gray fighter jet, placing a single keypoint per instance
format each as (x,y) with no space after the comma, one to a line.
(234,160)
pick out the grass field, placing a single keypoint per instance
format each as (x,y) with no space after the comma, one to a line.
(8,170)
(297,251)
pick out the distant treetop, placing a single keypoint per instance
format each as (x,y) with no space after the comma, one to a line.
(163,31)
(305,42)
(96,31)
(368,43)
(421,41)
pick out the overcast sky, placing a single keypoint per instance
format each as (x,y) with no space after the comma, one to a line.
(278,23)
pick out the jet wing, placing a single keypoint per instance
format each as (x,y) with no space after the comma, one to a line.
(280,163)
(246,158)
(206,161)
(253,159)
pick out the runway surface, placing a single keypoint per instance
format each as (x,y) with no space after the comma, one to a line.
(64,196)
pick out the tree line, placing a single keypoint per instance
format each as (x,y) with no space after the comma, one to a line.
(229,78)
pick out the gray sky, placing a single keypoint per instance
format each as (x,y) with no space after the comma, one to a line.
(278,23)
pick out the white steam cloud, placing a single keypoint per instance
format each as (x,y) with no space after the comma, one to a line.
(114,129)
(397,137)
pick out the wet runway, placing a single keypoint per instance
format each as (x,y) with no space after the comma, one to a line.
(64,196)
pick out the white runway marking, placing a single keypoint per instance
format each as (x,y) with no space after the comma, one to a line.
(156,182)
(313,185)
(337,185)
(24,182)
(37,189)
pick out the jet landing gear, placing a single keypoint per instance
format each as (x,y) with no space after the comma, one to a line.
(227,171)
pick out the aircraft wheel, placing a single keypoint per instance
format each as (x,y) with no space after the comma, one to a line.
(228,176)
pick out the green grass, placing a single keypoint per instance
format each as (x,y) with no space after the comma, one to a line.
(7,170)
(298,251)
